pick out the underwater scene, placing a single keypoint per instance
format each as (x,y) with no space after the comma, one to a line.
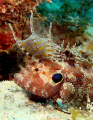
(46,59)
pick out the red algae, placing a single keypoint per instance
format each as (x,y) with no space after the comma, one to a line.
(6,38)
(2,1)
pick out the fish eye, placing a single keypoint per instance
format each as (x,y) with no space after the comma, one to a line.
(57,77)
(36,69)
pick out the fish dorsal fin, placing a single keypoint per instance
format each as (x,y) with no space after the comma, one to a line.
(37,46)
(32,36)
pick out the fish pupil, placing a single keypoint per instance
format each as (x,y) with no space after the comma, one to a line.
(36,69)
(57,77)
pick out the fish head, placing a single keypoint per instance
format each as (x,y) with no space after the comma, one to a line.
(40,77)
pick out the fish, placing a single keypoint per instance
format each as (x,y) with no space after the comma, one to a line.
(38,77)
(45,75)
(40,49)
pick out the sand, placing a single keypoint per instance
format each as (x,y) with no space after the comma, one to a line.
(15,105)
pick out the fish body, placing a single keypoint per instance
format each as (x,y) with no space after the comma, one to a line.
(37,76)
